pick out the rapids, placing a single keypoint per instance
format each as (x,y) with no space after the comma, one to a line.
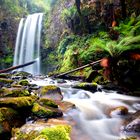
(92,119)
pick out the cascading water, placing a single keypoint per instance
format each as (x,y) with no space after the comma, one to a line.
(28,43)
(92,117)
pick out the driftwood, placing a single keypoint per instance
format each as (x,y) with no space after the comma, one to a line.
(16,67)
(82,67)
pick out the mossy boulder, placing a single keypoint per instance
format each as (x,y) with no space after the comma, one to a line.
(38,131)
(8,118)
(51,92)
(5,75)
(86,86)
(47,102)
(17,102)
(24,82)
(13,92)
(5,81)
(45,112)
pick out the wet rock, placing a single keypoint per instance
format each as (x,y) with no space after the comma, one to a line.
(47,102)
(17,102)
(119,111)
(51,92)
(132,128)
(65,106)
(86,86)
(42,130)
(13,92)
(129,138)
(45,112)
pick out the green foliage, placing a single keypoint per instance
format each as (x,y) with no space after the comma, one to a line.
(69,13)
(13,8)
(79,50)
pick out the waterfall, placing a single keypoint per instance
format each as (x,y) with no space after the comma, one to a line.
(28,43)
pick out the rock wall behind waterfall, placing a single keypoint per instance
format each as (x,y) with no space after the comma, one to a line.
(55,28)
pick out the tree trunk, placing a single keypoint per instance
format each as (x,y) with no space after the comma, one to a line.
(123,7)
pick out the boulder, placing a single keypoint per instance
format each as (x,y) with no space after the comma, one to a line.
(38,131)
(45,112)
(5,75)
(6,82)
(14,92)
(17,102)
(65,106)
(119,111)
(51,92)
(47,102)
(9,118)
(86,86)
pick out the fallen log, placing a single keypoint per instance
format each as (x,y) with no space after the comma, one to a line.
(17,67)
(82,67)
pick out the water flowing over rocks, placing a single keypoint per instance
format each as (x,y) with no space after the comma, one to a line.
(53,106)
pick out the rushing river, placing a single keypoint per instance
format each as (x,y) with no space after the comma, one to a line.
(92,117)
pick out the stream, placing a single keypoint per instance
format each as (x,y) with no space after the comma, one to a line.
(93,118)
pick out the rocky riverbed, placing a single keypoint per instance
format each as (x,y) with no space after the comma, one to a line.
(30,111)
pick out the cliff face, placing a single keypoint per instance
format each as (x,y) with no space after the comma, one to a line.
(55,28)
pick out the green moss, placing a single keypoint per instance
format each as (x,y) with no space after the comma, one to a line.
(41,111)
(60,132)
(47,102)
(41,137)
(14,92)
(6,81)
(23,82)
(49,89)
(17,102)
(5,75)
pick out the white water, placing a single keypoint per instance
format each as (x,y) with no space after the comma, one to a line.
(28,43)
(92,117)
